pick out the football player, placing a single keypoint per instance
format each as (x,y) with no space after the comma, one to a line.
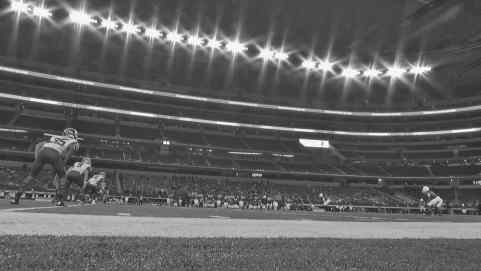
(96,186)
(56,152)
(78,174)
(434,202)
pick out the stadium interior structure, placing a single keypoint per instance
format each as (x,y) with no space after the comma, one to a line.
(154,138)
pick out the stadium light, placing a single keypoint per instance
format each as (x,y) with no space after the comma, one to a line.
(109,24)
(419,70)
(325,65)
(371,73)
(130,28)
(174,37)
(19,6)
(395,72)
(196,41)
(266,54)
(281,56)
(214,44)
(350,72)
(235,47)
(41,12)
(309,64)
(153,33)
(315,143)
(80,18)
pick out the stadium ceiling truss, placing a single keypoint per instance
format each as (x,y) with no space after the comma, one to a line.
(233,124)
(166,94)
(153,33)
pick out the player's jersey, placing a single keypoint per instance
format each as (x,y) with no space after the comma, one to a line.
(61,143)
(81,168)
(96,179)
(431,195)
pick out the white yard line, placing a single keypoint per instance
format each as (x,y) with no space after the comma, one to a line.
(95,225)
(36,208)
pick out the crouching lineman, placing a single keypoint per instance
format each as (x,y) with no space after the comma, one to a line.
(78,174)
(56,152)
(434,202)
(95,187)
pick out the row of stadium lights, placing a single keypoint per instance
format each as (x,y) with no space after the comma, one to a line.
(235,47)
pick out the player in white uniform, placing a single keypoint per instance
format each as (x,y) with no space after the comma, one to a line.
(79,174)
(56,152)
(95,186)
(434,201)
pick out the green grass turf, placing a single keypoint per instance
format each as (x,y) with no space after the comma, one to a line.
(90,253)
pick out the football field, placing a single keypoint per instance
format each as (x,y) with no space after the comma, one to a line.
(126,237)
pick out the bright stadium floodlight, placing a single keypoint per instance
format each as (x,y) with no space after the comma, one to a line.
(325,65)
(214,44)
(350,72)
(281,56)
(130,28)
(315,143)
(266,54)
(174,37)
(371,73)
(196,41)
(109,24)
(19,6)
(419,70)
(153,33)
(41,12)
(80,18)
(235,47)
(395,72)
(309,64)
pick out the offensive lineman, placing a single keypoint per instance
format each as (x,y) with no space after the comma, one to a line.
(434,201)
(56,152)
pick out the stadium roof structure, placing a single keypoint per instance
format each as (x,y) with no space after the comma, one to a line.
(82,82)
(360,39)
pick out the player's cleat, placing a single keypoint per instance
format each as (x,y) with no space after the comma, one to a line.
(59,203)
(16,202)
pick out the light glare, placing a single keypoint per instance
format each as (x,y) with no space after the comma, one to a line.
(418,70)
(281,56)
(108,24)
(350,73)
(80,17)
(372,73)
(214,44)
(130,28)
(236,47)
(174,37)
(152,33)
(309,64)
(41,12)
(266,54)
(195,41)
(395,72)
(325,65)
(18,6)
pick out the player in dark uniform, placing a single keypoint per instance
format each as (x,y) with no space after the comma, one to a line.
(56,152)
